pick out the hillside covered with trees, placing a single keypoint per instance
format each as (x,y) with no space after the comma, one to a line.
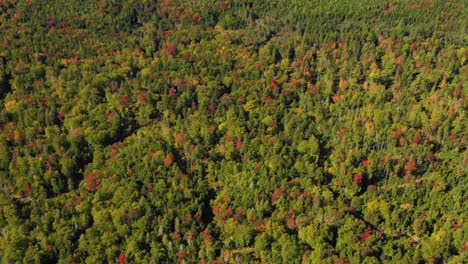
(207,131)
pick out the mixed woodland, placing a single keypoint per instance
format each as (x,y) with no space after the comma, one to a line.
(237,131)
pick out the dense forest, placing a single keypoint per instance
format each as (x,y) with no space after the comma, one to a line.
(237,131)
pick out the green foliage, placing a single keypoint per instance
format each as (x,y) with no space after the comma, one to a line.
(233,131)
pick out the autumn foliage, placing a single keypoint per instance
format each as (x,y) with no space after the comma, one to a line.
(93,181)
(168,160)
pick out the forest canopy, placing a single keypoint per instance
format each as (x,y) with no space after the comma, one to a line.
(233,131)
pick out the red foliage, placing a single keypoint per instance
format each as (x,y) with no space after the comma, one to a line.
(259,225)
(238,144)
(124,100)
(49,165)
(414,47)
(465,247)
(364,235)
(151,190)
(27,188)
(168,160)
(276,195)
(291,223)
(37,83)
(171,49)
(175,236)
(196,18)
(192,168)
(212,128)
(340,261)
(416,139)
(357,178)
(113,152)
(190,236)
(69,202)
(365,163)
(122,258)
(239,215)
(391,8)
(60,116)
(50,21)
(224,5)
(179,139)
(143,96)
(93,181)
(274,84)
(110,116)
(115,7)
(414,5)
(410,167)
(198,217)
(430,156)
(212,108)
(151,154)
(182,174)
(187,218)
(172,91)
(215,209)
(226,213)
(294,82)
(313,90)
(207,237)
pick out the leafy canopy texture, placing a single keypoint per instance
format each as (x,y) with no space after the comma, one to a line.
(232,131)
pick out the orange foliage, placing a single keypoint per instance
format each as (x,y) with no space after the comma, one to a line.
(93,181)
(27,188)
(168,160)
(179,139)
(180,255)
(208,239)
(291,223)
(410,167)
(416,139)
(172,91)
(276,195)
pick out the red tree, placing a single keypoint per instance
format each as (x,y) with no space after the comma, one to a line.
(364,235)
(410,167)
(274,84)
(93,181)
(357,178)
(171,49)
(168,160)
(238,144)
(365,163)
(122,258)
